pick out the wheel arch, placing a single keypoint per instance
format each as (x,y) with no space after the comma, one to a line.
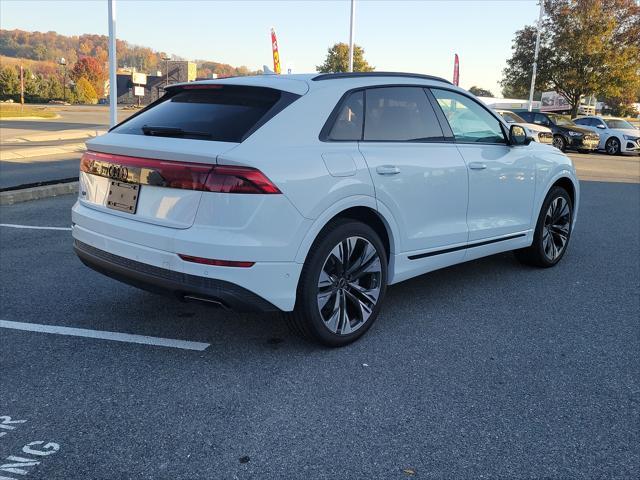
(569,182)
(361,208)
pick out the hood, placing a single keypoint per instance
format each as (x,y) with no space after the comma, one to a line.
(574,128)
(534,127)
(633,132)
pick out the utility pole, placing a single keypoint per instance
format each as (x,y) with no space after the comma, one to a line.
(166,61)
(351,33)
(113,79)
(535,56)
(63,62)
(21,86)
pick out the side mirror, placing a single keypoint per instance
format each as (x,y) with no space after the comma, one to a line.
(518,136)
(601,126)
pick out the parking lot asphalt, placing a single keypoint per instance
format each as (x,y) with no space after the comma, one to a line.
(488,369)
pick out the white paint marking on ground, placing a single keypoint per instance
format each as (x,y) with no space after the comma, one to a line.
(115,336)
(34,227)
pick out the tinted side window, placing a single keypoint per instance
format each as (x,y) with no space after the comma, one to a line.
(348,124)
(582,121)
(400,114)
(469,121)
(528,116)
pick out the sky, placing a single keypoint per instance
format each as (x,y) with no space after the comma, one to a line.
(411,36)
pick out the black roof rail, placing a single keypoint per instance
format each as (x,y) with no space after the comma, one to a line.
(336,76)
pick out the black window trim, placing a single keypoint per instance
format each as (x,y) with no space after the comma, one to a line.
(447,134)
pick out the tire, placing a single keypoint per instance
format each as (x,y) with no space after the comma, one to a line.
(612,146)
(559,142)
(552,233)
(350,305)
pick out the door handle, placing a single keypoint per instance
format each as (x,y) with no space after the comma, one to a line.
(387,170)
(477,165)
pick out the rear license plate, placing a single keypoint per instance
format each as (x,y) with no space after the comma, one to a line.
(123,196)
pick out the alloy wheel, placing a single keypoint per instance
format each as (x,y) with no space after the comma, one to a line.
(555,233)
(349,285)
(558,142)
(612,146)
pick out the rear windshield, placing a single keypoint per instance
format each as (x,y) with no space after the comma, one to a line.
(226,113)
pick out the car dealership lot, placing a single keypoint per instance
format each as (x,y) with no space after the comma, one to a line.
(484,369)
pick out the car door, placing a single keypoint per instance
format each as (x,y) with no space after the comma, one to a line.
(501,177)
(418,175)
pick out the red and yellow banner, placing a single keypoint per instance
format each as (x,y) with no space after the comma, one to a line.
(276,55)
(456,70)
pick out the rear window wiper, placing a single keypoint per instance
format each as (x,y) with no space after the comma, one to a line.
(157,131)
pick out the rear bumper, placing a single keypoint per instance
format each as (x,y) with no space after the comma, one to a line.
(161,280)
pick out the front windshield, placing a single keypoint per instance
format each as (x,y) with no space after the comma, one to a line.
(618,123)
(511,117)
(558,120)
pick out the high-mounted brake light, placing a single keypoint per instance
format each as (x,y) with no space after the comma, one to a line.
(183,175)
(217,263)
(206,86)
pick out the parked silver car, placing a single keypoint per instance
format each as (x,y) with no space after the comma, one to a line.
(616,135)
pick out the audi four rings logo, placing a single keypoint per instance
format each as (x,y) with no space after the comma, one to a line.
(117,172)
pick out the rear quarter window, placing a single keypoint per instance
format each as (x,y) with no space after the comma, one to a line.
(226,113)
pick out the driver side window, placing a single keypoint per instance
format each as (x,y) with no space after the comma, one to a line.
(470,122)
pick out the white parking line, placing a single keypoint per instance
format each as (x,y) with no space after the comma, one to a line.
(115,336)
(33,227)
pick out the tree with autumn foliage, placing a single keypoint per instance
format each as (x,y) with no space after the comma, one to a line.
(586,47)
(84,91)
(90,69)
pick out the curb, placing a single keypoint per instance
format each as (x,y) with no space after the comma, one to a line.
(35,193)
(57,135)
(31,152)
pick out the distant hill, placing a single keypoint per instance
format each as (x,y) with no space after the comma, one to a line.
(46,48)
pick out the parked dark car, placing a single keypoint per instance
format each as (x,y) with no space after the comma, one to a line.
(566,134)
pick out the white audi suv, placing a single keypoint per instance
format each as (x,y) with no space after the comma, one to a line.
(310,194)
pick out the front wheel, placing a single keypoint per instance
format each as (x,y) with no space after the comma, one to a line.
(552,233)
(342,284)
(559,142)
(612,146)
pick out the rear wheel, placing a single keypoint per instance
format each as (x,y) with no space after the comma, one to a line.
(552,233)
(342,284)
(612,146)
(559,142)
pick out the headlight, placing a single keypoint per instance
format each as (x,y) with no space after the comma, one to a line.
(631,137)
(574,134)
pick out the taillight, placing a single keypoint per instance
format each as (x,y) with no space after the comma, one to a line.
(183,175)
(217,263)
(229,179)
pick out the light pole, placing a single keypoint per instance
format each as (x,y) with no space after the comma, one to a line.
(113,64)
(535,56)
(351,33)
(166,61)
(63,62)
